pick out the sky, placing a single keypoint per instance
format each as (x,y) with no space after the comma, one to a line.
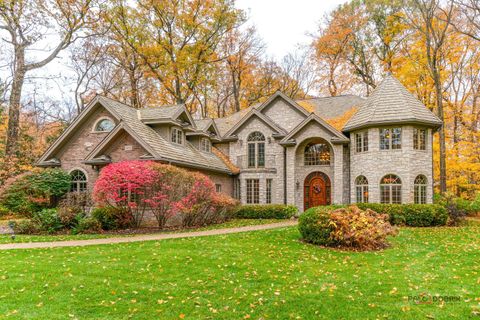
(283,24)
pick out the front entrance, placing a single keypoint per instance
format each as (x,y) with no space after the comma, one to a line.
(317,190)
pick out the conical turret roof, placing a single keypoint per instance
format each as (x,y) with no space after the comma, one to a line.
(391,103)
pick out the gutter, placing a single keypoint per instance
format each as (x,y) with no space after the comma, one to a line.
(284,175)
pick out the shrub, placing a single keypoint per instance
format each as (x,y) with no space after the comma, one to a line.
(348,227)
(26,226)
(267,211)
(47,220)
(314,225)
(125,185)
(413,215)
(137,186)
(4,211)
(31,192)
(112,218)
(360,229)
(88,225)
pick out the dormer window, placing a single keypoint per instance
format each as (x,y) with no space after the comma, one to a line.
(205,145)
(177,136)
(104,125)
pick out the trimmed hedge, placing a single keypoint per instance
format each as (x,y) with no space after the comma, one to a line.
(314,225)
(266,211)
(413,215)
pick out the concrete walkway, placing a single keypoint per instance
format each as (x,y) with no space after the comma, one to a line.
(148,237)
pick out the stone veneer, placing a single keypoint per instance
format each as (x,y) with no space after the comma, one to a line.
(406,163)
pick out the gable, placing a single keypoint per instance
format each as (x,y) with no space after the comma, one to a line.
(124,147)
(283,113)
(254,114)
(315,127)
(78,139)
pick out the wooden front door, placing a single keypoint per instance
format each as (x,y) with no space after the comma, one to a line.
(318,196)
(317,190)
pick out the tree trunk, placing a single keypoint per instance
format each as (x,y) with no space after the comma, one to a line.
(443,164)
(14,103)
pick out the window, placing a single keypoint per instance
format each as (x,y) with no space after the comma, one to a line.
(317,153)
(253,191)
(205,145)
(218,187)
(361,187)
(390,138)
(268,191)
(256,150)
(419,139)
(177,136)
(237,191)
(361,141)
(420,189)
(79,181)
(104,125)
(391,189)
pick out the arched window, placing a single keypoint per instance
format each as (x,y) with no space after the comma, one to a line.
(361,187)
(420,189)
(391,189)
(317,153)
(256,150)
(79,181)
(104,125)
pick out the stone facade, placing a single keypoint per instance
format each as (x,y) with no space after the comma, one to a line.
(407,163)
(287,129)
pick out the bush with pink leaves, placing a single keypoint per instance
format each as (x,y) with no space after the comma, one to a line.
(166,191)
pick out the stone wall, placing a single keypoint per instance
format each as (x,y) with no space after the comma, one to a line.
(406,163)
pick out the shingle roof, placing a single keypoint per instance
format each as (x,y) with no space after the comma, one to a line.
(159,112)
(162,148)
(391,103)
(331,107)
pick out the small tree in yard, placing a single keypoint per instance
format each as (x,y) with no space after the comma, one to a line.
(126,185)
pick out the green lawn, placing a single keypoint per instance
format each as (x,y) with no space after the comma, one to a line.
(6,238)
(257,275)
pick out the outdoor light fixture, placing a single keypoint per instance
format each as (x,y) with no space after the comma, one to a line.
(297,184)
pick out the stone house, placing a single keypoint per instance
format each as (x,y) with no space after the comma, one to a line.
(279,151)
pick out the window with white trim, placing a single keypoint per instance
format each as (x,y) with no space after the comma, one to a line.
(79,181)
(420,189)
(390,138)
(391,189)
(361,141)
(361,188)
(419,139)
(177,136)
(256,150)
(218,187)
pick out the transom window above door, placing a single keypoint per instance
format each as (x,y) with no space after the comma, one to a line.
(256,150)
(317,153)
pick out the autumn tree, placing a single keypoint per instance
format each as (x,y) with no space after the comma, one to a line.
(28,24)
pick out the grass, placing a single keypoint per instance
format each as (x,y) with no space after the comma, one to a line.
(258,275)
(6,238)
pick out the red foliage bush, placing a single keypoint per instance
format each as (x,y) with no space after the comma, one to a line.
(137,186)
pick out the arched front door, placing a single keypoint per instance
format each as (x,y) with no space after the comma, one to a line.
(317,190)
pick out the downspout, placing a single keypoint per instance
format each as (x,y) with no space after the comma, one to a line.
(284,175)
